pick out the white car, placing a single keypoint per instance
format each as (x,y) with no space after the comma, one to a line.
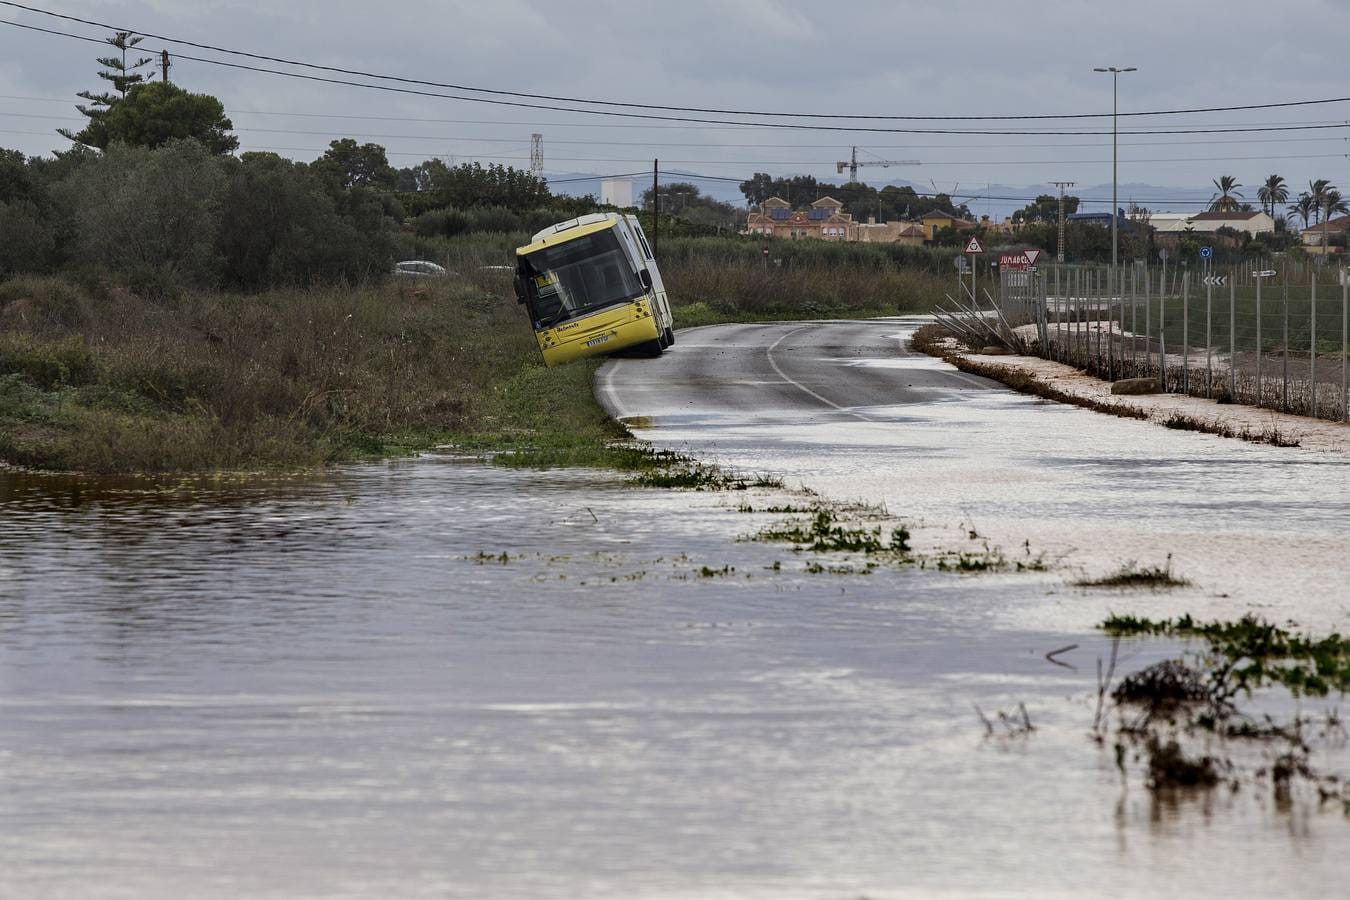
(419,268)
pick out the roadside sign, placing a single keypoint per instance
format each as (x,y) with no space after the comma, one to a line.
(1216,280)
(1206,252)
(974,246)
(1265,273)
(1032,256)
(961,263)
(1162,254)
(1013,262)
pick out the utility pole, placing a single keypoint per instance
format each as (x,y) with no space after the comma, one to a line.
(537,155)
(656,203)
(164,65)
(1115,157)
(1059,246)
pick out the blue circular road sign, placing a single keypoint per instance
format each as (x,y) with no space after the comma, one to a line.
(1206,252)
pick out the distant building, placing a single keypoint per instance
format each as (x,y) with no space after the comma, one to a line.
(823,220)
(1252,222)
(1313,237)
(1169,222)
(1097,219)
(905,233)
(935,221)
(617,192)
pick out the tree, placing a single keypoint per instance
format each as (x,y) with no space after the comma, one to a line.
(1304,207)
(149,212)
(1272,193)
(687,202)
(1332,203)
(280,225)
(122,75)
(473,184)
(1045,208)
(1226,200)
(1317,190)
(156,113)
(350,165)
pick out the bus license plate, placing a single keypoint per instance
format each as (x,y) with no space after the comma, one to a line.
(596,341)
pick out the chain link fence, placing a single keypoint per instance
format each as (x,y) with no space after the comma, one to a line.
(1273,337)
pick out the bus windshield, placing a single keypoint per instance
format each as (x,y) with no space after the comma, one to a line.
(576,277)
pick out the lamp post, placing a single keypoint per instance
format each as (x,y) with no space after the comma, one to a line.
(1115,135)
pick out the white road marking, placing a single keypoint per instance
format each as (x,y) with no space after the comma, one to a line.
(801,387)
(621,411)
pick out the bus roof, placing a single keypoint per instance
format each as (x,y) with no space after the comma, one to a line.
(568,234)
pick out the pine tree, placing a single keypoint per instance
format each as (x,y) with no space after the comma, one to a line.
(122,75)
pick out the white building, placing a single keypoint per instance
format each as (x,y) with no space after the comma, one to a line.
(617,192)
(1251,222)
(1169,222)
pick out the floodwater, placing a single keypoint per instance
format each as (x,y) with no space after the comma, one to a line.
(337,686)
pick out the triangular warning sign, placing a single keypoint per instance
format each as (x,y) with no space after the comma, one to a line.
(974,246)
(1032,256)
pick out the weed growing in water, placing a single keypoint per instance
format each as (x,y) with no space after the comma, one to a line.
(1197,696)
(1131,575)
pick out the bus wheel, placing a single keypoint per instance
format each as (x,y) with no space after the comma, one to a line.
(670,337)
(650,349)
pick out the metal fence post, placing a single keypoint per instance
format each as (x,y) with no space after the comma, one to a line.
(1260,350)
(1209,324)
(1162,329)
(1345,345)
(1284,396)
(1312,346)
(1148,319)
(1186,333)
(1110,327)
(1232,338)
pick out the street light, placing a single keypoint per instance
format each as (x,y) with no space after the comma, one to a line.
(1115,134)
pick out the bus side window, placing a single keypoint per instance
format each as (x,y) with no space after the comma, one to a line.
(642,239)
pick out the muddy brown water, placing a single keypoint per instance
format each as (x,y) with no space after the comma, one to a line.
(335,687)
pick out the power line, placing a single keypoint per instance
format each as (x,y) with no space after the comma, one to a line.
(649,116)
(653,106)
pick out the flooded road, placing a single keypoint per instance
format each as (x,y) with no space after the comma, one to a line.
(440,678)
(848,409)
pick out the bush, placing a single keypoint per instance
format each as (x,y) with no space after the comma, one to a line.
(27,243)
(280,226)
(441,222)
(136,209)
(496,219)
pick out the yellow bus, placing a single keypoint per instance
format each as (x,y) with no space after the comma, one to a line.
(591,286)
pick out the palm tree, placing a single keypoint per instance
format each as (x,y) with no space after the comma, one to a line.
(1273,193)
(1317,190)
(1304,207)
(1332,203)
(1226,200)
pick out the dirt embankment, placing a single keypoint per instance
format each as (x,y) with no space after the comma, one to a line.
(1056,381)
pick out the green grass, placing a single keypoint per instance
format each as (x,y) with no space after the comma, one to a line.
(1256,652)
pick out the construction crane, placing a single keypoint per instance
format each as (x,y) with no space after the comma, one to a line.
(852,164)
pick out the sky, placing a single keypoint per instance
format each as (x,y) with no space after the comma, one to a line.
(868,57)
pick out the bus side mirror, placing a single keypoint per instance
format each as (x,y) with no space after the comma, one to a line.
(519,284)
(646,278)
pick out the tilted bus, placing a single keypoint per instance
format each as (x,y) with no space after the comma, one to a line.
(591,286)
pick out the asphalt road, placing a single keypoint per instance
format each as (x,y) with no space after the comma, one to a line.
(846,409)
(850,369)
